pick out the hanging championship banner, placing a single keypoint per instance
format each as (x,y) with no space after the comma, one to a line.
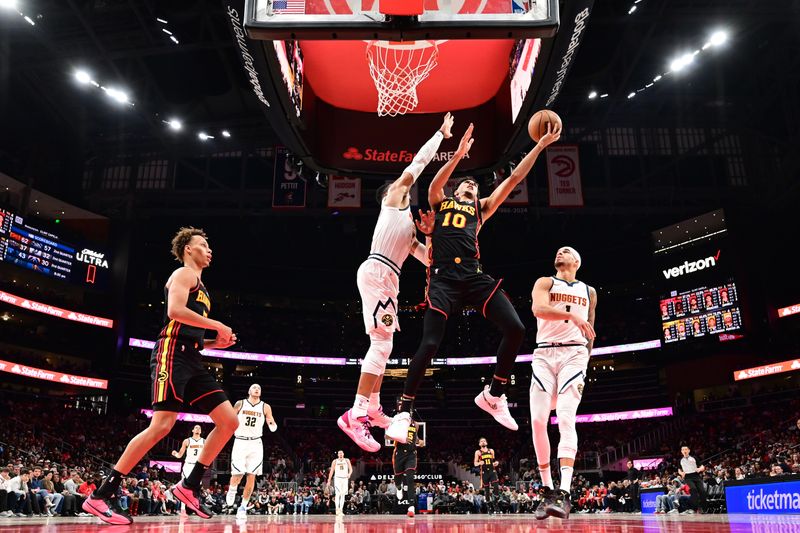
(344,192)
(518,195)
(288,187)
(564,176)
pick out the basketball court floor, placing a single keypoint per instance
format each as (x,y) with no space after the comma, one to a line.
(617,523)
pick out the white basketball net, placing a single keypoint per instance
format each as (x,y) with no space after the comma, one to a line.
(396,71)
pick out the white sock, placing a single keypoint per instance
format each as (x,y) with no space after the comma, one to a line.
(375,401)
(547,478)
(230,497)
(360,406)
(566,477)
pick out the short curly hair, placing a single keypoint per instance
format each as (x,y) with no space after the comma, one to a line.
(182,239)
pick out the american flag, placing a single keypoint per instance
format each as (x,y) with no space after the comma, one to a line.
(289,7)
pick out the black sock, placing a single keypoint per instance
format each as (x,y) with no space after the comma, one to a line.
(406,404)
(110,485)
(195,476)
(498,386)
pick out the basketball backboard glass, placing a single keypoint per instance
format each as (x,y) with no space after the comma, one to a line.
(362,19)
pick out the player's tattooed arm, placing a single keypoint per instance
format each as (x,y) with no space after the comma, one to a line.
(592,307)
(490,204)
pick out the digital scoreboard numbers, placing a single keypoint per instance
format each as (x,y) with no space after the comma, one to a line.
(26,245)
(699,312)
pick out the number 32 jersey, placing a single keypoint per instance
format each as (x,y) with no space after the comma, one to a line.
(251,420)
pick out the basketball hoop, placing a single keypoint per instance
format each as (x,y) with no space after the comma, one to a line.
(397,69)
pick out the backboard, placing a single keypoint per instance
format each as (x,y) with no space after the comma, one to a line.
(362,19)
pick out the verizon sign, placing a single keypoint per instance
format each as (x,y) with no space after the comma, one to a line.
(50,375)
(688,267)
(57,312)
(767,370)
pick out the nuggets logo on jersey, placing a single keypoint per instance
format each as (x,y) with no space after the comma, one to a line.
(387,320)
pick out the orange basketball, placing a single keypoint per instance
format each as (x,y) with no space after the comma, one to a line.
(537,125)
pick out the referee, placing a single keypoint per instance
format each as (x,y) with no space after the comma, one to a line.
(690,473)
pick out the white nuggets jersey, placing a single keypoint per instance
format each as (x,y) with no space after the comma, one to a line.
(391,240)
(341,469)
(194,450)
(571,297)
(251,420)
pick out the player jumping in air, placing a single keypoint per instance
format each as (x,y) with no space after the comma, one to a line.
(456,279)
(378,280)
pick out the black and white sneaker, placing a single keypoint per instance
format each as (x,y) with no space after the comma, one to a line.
(544,503)
(560,505)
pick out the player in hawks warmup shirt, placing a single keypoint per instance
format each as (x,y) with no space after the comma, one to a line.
(178,378)
(456,279)
(378,280)
(247,457)
(564,308)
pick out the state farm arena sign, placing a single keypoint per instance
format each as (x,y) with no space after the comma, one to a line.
(50,375)
(57,312)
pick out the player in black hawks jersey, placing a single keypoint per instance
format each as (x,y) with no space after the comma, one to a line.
(178,378)
(456,279)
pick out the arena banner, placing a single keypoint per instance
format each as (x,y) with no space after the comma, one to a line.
(51,375)
(57,312)
(564,176)
(183,417)
(344,193)
(767,370)
(288,187)
(620,415)
(170,466)
(647,497)
(774,495)
(788,311)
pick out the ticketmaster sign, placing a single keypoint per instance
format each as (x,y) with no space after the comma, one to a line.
(763,497)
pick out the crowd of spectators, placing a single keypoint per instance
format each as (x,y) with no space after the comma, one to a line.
(53,462)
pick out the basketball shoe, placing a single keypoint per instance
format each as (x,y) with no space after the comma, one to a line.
(398,429)
(497,407)
(378,418)
(358,430)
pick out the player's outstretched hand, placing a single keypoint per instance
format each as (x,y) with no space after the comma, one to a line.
(466,142)
(426,222)
(553,134)
(585,327)
(447,125)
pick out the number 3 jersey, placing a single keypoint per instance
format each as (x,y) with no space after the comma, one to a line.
(572,298)
(251,420)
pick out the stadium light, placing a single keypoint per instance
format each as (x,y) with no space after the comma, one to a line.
(9,4)
(174,124)
(631,95)
(631,10)
(679,63)
(83,77)
(226,134)
(203,136)
(592,95)
(718,38)
(118,95)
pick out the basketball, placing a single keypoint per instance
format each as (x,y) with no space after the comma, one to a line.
(537,125)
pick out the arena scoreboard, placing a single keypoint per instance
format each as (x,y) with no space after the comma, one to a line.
(26,244)
(695,265)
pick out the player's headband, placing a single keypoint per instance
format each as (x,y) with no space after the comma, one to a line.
(574,253)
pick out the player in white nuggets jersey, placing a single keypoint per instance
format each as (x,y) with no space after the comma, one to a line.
(378,281)
(564,308)
(247,456)
(192,448)
(340,471)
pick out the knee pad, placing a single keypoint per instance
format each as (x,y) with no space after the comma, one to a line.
(380,348)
